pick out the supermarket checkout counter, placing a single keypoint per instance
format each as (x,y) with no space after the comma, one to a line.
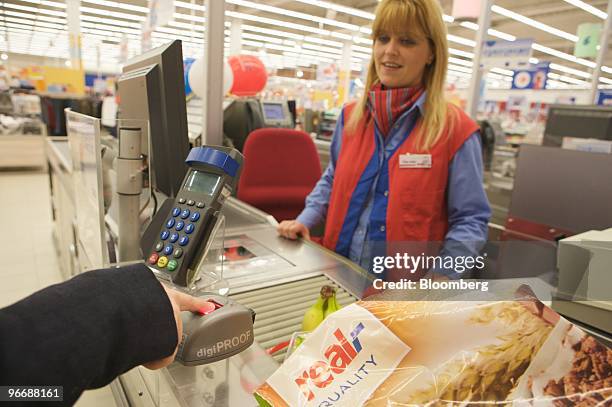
(277,278)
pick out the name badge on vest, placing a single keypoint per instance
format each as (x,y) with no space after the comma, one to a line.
(415,160)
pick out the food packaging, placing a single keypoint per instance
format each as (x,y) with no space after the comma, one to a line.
(380,353)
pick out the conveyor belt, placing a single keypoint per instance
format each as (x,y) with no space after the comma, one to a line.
(280,308)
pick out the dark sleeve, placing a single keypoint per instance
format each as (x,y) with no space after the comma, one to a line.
(83,333)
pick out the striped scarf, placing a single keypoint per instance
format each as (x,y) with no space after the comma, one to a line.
(386,105)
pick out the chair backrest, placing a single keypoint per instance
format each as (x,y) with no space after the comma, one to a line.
(281,166)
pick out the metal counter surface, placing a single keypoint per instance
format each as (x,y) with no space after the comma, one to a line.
(276,277)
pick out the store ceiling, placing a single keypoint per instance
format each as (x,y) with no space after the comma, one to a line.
(38,27)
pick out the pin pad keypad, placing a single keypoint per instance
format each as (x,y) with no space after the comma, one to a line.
(180,228)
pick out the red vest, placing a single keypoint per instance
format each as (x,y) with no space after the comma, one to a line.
(417,202)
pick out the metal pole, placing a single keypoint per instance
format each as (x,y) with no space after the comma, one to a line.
(73,13)
(212,106)
(481,35)
(603,48)
(129,186)
(235,37)
(347,51)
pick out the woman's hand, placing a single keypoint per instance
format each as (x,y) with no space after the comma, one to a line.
(292,229)
(180,302)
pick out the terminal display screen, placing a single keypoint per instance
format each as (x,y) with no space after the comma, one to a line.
(203,182)
(273,111)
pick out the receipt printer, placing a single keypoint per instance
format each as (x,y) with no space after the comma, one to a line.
(221,329)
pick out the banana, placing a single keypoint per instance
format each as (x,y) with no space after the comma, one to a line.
(314,315)
(325,305)
(332,305)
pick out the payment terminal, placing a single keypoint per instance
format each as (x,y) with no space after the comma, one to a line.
(179,234)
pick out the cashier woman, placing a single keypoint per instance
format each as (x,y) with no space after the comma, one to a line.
(83,333)
(405,164)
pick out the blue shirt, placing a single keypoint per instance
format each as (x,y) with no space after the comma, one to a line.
(468,207)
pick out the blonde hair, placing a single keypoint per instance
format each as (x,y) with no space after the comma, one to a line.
(394,16)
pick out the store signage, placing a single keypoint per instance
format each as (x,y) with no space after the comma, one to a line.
(161,13)
(533,78)
(506,54)
(466,9)
(605,98)
(588,40)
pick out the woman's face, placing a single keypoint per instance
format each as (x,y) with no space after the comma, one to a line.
(400,59)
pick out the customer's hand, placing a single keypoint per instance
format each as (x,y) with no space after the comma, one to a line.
(180,302)
(292,229)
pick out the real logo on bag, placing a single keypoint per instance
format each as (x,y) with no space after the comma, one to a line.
(338,356)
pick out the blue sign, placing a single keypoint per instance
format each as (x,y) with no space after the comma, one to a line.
(187,62)
(532,78)
(605,98)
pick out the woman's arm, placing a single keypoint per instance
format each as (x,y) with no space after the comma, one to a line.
(317,201)
(468,207)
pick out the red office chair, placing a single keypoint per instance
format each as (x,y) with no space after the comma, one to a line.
(281,166)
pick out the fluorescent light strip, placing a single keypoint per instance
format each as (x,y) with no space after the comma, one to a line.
(46,3)
(322,49)
(502,35)
(35,23)
(110,21)
(36,17)
(588,8)
(536,24)
(576,72)
(336,7)
(112,28)
(116,14)
(461,53)
(461,40)
(458,61)
(340,35)
(312,58)
(190,18)
(35,10)
(567,79)
(365,50)
(32,28)
(269,31)
(118,5)
(502,71)
(331,43)
(362,56)
(469,25)
(563,55)
(190,27)
(294,14)
(361,40)
(279,23)
(190,6)
(458,68)
(262,38)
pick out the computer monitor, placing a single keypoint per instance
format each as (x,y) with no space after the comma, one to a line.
(577,121)
(276,113)
(152,88)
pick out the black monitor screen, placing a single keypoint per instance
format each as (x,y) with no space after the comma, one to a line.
(273,111)
(203,182)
